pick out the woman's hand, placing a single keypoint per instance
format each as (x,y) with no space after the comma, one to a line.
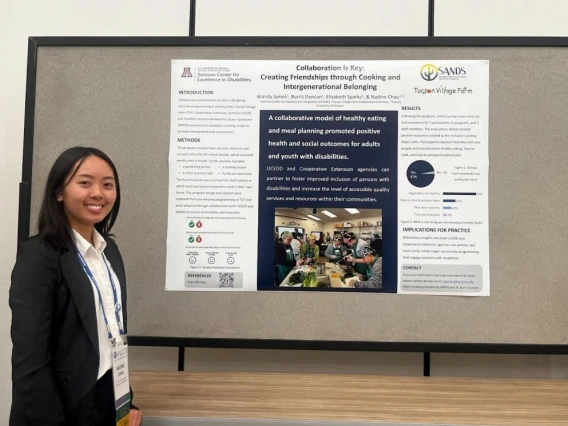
(135,417)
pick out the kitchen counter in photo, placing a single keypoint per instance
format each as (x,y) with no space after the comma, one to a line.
(331,277)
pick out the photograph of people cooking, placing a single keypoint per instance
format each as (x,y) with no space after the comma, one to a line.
(328,248)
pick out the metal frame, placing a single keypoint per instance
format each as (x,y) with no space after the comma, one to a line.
(192,13)
(426,347)
(351,346)
(431,15)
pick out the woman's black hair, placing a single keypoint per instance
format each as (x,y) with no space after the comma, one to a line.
(53,223)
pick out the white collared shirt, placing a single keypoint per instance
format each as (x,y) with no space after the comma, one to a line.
(93,254)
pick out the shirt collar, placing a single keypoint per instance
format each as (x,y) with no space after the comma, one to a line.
(83,245)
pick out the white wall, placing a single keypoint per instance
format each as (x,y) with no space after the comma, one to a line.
(23,18)
(329,227)
(312,18)
(501,18)
(308,225)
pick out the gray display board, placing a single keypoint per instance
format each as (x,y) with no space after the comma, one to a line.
(118,99)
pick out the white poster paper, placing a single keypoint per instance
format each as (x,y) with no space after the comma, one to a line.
(406,139)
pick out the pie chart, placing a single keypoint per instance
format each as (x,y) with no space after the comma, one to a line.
(420,174)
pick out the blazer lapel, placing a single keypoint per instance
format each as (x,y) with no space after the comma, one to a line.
(82,292)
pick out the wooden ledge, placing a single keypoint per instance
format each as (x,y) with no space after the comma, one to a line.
(354,398)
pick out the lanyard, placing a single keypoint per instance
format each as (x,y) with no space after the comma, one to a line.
(117,306)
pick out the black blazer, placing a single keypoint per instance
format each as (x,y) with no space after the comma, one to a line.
(55,355)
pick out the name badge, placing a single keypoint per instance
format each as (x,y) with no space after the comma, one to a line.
(121,382)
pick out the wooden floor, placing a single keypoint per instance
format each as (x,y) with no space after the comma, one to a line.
(352,398)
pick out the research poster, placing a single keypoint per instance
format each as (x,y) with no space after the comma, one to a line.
(345,176)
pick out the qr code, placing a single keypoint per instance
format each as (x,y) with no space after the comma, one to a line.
(227,279)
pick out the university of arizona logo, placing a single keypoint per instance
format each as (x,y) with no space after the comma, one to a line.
(186,73)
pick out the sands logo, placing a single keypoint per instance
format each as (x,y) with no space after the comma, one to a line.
(431,72)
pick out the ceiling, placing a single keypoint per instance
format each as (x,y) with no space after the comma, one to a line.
(342,214)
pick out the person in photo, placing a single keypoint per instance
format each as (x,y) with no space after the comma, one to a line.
(354,251)
(309,252)
(296,245)
(377,244)
(284,256)
(68,299)
(374,272)
(334,251)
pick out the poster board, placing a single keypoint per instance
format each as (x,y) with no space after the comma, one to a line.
(115,94)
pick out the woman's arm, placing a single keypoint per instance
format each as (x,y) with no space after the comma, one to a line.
(303,251)
(36,398)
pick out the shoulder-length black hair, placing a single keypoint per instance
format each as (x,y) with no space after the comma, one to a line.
(53,223)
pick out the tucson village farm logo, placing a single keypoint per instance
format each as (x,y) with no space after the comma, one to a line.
(443,90)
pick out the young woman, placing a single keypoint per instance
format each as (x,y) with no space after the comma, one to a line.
(68,300)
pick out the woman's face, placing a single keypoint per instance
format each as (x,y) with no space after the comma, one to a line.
(90,195)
